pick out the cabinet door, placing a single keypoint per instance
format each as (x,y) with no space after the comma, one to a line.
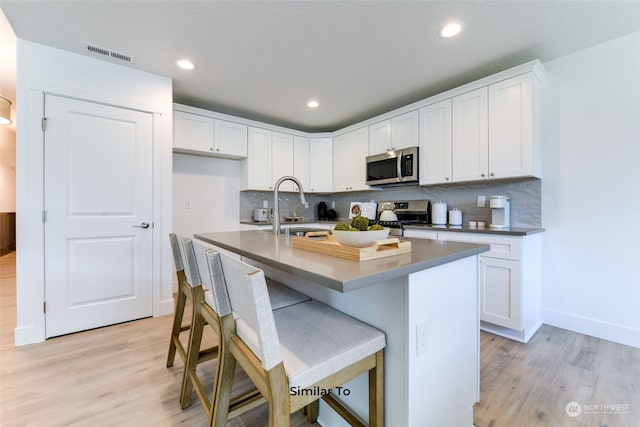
(511,128)
(405,130)
(435,143)
(320,165)
(301,161)
(282,159)
(341,163)
(192,132)
(258,167)
(500,285)
(359,145)
(230,139)
(380,137)
(470,136)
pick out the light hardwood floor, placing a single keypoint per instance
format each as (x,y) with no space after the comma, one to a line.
(116,376)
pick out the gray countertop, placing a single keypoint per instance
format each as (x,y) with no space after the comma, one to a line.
(512,231)
(337,273)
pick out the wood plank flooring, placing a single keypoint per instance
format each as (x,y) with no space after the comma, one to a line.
(117,376)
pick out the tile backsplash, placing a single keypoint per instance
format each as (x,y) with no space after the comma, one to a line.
(525,197)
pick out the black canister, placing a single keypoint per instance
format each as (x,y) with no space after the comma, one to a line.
(331,214)
(322,210)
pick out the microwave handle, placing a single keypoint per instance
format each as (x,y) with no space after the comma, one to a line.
(399,167)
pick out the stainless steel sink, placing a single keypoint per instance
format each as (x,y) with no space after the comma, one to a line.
(301,231)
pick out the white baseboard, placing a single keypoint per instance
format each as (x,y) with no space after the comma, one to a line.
(596,328)
(165,307)
(26,335)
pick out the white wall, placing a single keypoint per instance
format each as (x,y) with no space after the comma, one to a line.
(42,69)
(213,187)
(591,191)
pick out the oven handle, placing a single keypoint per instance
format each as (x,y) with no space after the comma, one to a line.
(399,167)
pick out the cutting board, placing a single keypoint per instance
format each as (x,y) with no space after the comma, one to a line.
(324,243)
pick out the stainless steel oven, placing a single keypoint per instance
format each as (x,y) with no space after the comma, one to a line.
(393,167)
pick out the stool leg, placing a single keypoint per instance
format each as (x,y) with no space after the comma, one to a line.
(177,324)
(311,410)
(225,373)
(376,392)
(193,353)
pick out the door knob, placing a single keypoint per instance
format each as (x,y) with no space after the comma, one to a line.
(142,225)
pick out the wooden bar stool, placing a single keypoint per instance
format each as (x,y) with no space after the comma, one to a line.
(186,291)
(196,267)
(307,346)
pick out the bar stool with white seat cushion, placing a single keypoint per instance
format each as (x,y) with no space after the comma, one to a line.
(185,292)
(280,296)
(307,346)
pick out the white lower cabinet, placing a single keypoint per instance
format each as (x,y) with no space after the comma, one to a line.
(509,280)
(500,282)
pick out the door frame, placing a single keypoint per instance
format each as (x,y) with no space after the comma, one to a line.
(30,286)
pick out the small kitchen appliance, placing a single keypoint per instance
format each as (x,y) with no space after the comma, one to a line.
(439,213)
(406,213)
(322,211)
(500,213)
(261,215)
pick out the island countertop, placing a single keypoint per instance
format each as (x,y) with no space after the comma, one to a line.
(336,273)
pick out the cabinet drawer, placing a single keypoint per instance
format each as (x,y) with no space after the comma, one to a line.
(421,234)
(505,247)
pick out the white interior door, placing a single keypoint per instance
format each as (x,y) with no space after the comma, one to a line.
(98,204)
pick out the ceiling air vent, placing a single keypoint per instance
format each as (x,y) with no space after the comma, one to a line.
(109,53)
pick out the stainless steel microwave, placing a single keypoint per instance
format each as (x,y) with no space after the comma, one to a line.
(393,167)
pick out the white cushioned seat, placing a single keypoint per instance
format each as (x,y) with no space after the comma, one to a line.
(316,341)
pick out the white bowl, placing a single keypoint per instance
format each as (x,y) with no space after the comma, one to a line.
(360,239)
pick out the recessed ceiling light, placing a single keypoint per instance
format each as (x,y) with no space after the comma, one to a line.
(451,29)
(185,64)
(312,104)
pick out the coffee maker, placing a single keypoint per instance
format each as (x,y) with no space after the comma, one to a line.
(500,212)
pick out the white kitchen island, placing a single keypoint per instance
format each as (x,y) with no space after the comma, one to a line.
(426,302)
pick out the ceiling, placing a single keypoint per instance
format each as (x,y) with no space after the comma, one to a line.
(265,59)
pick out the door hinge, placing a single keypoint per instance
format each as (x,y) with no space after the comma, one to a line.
(44,124)
(44,307)
(44,216)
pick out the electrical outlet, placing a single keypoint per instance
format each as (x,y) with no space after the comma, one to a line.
(265,204)
(187,204)
(421,338)
(333,205)
(481,201)
(306,205)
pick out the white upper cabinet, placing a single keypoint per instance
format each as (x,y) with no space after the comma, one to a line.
(202,135)
(405,130)
(394,134)
(320,169)
(192,132)
(380,137)
(257,167)
(350,151)
(511,128)
(435,143)
(282,159)
(470,136)
(230,139)
(301,162)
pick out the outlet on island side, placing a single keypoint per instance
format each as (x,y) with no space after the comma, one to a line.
(421,338)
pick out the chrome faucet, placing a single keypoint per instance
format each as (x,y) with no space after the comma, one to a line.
(276,201)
